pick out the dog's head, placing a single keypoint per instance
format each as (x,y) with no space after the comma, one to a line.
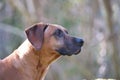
(53,37)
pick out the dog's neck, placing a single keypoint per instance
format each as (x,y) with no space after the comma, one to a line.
(33,63)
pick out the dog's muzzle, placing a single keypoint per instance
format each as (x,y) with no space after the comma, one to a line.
(71,46)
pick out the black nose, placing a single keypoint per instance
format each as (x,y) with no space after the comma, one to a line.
(78,41)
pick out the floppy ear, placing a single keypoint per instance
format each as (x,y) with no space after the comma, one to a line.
(35,35)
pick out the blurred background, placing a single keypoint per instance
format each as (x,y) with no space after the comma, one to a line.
(96,21)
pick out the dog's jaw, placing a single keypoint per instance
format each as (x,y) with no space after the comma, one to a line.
(32,62)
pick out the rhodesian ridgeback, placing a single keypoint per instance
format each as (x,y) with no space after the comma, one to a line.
(44,44)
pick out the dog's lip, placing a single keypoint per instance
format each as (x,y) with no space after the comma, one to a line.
(77,52)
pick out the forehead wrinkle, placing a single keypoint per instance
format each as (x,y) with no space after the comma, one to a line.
(53,27)
(58,26)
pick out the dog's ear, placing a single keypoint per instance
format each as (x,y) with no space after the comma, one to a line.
(35,35)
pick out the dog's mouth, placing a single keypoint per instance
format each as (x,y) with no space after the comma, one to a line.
(77,52)
(64,52)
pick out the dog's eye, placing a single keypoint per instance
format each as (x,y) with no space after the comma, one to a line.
(59,33)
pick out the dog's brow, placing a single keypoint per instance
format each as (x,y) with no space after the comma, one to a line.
(66,31)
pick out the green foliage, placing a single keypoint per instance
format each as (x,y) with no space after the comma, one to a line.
(15,20)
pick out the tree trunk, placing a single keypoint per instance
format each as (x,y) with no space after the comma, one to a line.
(112,36)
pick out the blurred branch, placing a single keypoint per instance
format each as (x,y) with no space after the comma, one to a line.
(21,8)
(39,6)
(112,35)
(31,9)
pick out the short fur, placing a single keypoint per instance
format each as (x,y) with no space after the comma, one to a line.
(32,59)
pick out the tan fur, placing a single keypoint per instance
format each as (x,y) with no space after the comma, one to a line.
(25,63)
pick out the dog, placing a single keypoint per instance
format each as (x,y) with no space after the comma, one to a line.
(44,44)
